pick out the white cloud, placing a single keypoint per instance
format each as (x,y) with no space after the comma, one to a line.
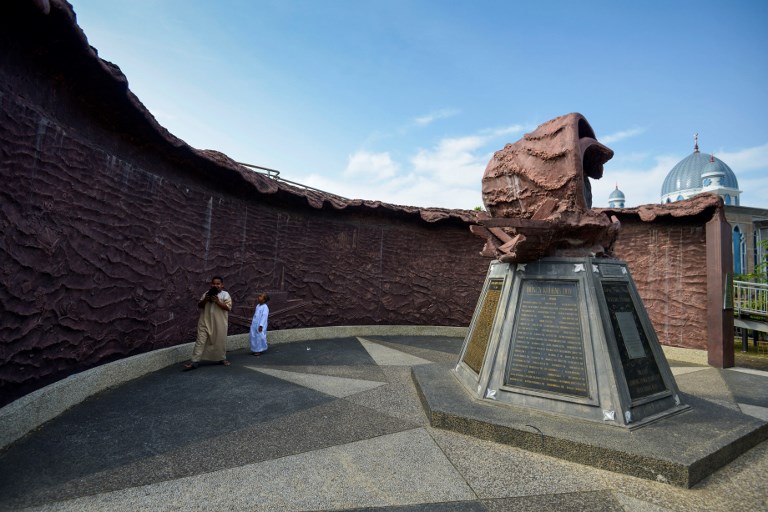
(456,161)
(446,175)
(754,188)
(507,130)
(460,161)
(746,160)
(434,116)
(449,174)
(640,185)
(625,134)
(375,166)
(408,190)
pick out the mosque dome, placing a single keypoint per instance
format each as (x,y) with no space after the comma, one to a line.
(616,199)
(696,173)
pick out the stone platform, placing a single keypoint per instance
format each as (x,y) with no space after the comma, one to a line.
(680,450)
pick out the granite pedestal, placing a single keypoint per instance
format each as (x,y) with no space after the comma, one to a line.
(680,450)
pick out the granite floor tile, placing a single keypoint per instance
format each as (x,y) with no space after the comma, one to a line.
(398,398)
(597,501)
(500,471)
(336,422)
(384,471)
(385,356)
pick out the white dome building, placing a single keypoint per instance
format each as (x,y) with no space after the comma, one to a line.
(698,173)
(616,199)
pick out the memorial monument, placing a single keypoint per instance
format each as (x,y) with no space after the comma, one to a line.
(559,326)
(560,357)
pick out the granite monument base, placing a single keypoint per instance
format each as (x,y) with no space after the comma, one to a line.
(680,450)
(569,336)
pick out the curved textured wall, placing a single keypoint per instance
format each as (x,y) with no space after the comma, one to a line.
(112,228)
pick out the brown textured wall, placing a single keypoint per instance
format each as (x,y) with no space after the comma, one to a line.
(112,228)
(665,248)
(102,258)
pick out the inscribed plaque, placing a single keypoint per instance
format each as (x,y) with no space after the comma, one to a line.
(640,370)
(548,353)
(630,335)
(481,332)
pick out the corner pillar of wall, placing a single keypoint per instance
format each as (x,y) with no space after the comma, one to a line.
(719,309)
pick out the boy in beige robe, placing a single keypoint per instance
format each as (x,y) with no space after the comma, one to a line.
(212,326)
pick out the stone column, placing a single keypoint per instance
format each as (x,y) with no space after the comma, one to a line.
(719,309)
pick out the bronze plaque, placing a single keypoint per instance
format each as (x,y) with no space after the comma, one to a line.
(548,353)
(478,342)
(640,368)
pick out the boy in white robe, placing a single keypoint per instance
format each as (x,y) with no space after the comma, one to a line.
(258,335)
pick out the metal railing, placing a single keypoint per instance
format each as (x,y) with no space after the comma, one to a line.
(275,175)
(750,298)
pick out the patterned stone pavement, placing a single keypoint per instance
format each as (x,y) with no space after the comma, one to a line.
(333,425)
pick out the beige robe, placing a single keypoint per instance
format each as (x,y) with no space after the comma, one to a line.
(212,330)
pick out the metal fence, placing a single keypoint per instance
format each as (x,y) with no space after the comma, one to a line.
(750,298)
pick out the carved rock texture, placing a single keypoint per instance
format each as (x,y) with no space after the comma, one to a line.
(543,178)
(665,247)
(102,258)
(112,228)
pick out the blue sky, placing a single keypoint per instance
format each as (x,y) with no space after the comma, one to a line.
(406,101)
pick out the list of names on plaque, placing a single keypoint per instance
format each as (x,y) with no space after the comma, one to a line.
(548,346)
(640,368)
(481,332)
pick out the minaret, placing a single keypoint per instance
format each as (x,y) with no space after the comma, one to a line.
(616,199)
(712,175)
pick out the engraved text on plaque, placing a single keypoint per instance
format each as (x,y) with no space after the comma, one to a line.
(478,342)
(548,353)
(640,368)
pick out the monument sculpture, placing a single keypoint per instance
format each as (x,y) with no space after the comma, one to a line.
(559,326)
(538,192)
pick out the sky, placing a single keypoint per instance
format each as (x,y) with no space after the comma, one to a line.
(405,101)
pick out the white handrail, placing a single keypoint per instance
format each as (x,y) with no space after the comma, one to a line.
(750,298)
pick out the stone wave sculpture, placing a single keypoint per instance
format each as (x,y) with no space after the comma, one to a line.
(539,198)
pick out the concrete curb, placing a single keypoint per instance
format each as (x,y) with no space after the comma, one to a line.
(32,410)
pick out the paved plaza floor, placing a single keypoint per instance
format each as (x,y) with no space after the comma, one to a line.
(334,425)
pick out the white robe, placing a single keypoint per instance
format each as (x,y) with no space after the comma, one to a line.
(259,339)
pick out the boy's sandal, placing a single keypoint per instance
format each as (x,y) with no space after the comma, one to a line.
(225,362)
(190,366)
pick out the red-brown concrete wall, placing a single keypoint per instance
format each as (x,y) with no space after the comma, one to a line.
(668,264)
(112,228)
(102,258)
